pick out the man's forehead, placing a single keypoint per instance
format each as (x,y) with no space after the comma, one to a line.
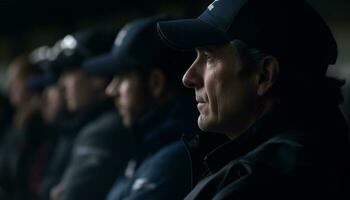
(69,73)
(74,70)
(206,48)
(213,48)
(126,73)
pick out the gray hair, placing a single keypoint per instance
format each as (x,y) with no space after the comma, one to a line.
(249,57)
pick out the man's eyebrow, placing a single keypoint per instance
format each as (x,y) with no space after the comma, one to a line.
(206,48)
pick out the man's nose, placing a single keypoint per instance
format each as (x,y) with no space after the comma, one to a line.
(61,83)
(193,76)
(112,88)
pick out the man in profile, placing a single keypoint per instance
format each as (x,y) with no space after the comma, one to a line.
(91,145)
(153,104)
(259,79)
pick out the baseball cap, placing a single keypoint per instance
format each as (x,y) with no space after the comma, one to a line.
(286,29)
(68,53)
(45,77)
(73,49)
(38,83)
(137,46)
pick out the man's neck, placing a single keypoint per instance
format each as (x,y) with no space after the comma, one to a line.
(265,107)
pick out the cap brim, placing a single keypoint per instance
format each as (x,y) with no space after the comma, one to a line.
(66,62)
(190,33)
(39,82)
(100,66)
(108,65)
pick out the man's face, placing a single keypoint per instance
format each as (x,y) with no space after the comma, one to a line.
(53,103)
(18,92)
(226,95)
(76,89)
(129,96)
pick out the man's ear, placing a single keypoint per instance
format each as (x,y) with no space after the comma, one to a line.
(268,74)
(157,82)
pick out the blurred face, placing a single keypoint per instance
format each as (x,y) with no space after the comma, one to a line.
(53,103)
(18,92)
(129,96)
(227,97)
(77,89)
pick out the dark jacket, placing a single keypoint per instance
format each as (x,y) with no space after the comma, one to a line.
(24,156)
(285,155)
(6,115)
(100,155)
(161,168)
(68,127)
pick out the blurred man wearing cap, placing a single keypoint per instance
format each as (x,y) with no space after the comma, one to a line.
(26,145)
(89,150)
(259,79)
(45,83)
(150,98)
(55,116)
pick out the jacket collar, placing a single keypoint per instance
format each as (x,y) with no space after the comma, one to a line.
(71,124)
(260,132)
(166,124)
(276,123)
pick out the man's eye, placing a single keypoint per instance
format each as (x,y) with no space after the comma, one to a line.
(117,79)
(208,56)
(120,77)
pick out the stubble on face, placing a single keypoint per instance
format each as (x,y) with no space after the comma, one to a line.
(130,98)
(226,96)
(76,88)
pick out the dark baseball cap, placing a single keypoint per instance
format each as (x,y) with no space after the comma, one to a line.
(284,28)
(39,59)
(38,83)
(73,49)
(137,46)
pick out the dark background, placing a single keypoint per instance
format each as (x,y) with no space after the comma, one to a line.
(27,24)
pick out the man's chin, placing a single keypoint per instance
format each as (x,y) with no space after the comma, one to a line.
(127,122)
(203,124)
(207,125)
(72,108)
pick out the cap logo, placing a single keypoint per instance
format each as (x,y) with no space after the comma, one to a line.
(120,38)
(39,54)
(212,5)
(69,42)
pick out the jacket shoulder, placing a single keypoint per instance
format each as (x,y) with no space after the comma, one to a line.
(165,175)
(171,155)
(284,153)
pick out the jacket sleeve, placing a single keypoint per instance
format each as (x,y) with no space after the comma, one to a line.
(100,154)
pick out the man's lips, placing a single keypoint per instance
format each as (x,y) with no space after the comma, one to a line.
(200,105)
(200,100)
